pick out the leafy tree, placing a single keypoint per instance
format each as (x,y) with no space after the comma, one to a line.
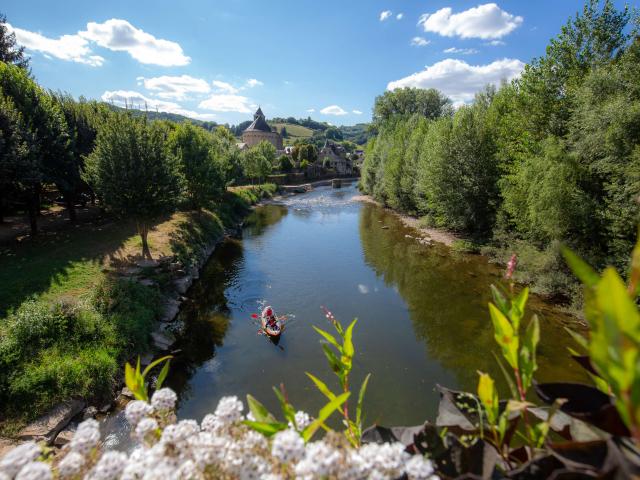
(308,151)
(408,101)
(199,162)
(332,133)
(267,150)
(10,52)
(284,163)
(255,164)
(284,132)
(132,171)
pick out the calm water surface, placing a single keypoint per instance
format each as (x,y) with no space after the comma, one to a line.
(422,311)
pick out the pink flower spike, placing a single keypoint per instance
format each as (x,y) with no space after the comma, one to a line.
(511,267)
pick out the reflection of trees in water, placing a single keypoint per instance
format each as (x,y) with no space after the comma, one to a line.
(447,298)
(205,315)
(263,217)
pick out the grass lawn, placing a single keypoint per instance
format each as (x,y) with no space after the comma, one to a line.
(294,131)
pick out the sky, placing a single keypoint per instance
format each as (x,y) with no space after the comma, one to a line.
(220,59)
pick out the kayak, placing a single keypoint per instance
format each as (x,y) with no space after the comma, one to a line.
(272,331)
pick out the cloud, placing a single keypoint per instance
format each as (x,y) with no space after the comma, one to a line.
(459,80)
(495,43)
(224,87)
(253,82)
(120,36)
(357,112)
(67,47)
(486,21)
(462,51)
(385,15)
(311,110)
(333,110)
(363,289)
(419,42)
(133,99)
(175,87)
(226,103)
(116,34)
(399,16)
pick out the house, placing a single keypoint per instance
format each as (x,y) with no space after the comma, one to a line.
(335,157)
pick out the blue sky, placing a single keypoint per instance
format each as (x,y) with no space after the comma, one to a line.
(219,59)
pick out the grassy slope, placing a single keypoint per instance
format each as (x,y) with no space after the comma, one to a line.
(294,131)
(48,356)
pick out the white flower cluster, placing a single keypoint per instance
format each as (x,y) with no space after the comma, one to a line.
(220,447)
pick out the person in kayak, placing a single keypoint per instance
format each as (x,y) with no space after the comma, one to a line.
(270,317)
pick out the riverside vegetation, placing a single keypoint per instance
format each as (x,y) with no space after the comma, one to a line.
(583,432)
(551,157)
(71,318)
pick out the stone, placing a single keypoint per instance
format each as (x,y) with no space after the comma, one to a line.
(161,340)
(127,393)
(48,425)
(66,435)
(89,412)
(131,271)
(146,263)
(105,408)
(147,282)
(171,309)
(182,284)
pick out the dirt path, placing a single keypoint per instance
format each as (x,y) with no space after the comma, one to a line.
(435,234)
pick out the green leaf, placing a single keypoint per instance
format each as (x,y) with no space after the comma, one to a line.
(579,339)
(580,268)
(130,378)
(528,363)
(505,336)
(507,376)
(287,410)
(347,348)
(321,386)
(162,375)
(325,412)
(153,364)
(489,397)
(334,361)
(266,428)
(259,411)
(517,308)
(328,337)
(500,300)
(363,389)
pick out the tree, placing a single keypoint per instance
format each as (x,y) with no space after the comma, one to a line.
(10,52)
(267,150)
(199,162)
(284,133)
(407,101)
(284,163)
(332,133)
(49,136)
(255,164)
(132,171)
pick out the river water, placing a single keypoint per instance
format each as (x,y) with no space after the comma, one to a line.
(422,312)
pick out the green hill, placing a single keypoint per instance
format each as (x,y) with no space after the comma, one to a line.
(294,132)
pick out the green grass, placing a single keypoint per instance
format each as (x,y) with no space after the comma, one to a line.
(294,131)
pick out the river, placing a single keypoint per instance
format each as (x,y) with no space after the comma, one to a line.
(422,312)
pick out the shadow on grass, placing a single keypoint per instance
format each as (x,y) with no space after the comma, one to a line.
(66,262)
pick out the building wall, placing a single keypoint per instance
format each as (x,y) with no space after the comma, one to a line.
(255,137)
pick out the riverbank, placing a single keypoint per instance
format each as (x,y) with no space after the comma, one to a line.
(80,303)
(429,234)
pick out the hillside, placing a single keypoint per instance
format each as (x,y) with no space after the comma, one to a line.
(294,132)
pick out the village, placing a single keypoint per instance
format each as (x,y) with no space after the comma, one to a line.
(306,160)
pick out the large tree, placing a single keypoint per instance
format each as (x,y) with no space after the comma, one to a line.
(200,163)
(405,102)
(132,171)
(10,51)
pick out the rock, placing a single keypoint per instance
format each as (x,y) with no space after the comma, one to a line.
(146,359)
(105,408)
(161,340)
(171,309)
(175,266)
(182,284)
(147,282)
(47,426)
(66,435)
(146,263)
(6,445)
(89,412)
(131,271)
(127,393)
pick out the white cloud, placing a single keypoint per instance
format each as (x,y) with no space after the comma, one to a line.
(115,34)
(224,87)
(495,43)
(459,80)
(333,110)
(486,21)
(311,110)
(226,103)
(399,16)
(67,47)
(253,82)
(175,87)
(133,99)
(357,112)
(384,15)
(419,42)
(462,51)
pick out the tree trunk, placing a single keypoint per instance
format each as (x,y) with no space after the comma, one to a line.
(71,208)
(143,231)
(33,204)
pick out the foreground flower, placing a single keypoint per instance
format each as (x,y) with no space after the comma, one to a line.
(164,399)
(136,411)
(287,446)
(86,437)
(71,465)
(35,471)
(17,458)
